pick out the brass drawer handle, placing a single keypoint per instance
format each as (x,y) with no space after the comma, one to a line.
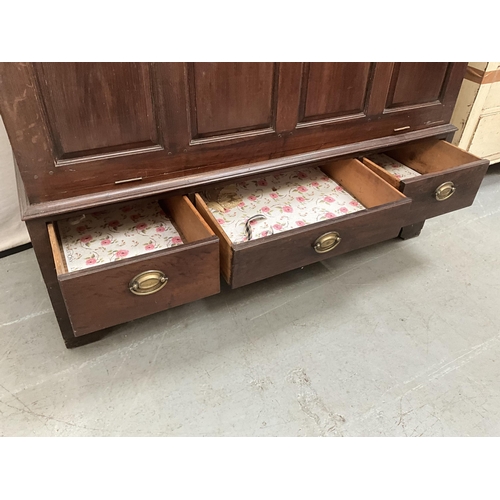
(400,129)
(445,191)
(148,282)
(327,242)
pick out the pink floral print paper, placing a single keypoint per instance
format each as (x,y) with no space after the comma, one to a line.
(110,235)
(288,200)
(394,167)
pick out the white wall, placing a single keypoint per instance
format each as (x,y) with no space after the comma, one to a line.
(12,230)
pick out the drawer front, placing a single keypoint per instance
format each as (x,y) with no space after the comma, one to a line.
(99,298)
(422,190)
(385,212)
(260,259)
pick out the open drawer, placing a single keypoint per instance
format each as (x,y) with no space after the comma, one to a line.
(445,178)
(115,292)
(384,213)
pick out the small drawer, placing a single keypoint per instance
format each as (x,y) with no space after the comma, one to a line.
(446,177)
(116,292)
(385,211)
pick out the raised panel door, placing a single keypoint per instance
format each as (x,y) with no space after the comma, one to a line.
(94,108)
(231,98)
(333,90)
(417,83)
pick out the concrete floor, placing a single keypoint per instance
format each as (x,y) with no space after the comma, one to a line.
(398,339)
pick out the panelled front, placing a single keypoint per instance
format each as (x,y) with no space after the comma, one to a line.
(416,83)
(96,108)
(231,98)
(422,93)
(78,128)
(333,90)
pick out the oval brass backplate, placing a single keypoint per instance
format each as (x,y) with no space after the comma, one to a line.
(148,282)
(444,191)
(327,242)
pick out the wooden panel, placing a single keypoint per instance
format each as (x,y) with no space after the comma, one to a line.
(333,89)
(97,107)
(229,98)
(184,160)
(416,83)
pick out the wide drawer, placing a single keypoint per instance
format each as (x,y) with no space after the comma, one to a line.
(447,178)
(117,292)
(385,213)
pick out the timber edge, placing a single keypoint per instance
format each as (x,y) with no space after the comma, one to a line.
(186,183)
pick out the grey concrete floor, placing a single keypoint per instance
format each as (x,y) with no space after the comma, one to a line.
(398,339)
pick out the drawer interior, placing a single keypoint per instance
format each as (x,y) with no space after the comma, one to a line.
(355,178)
(181,226)
(429,156)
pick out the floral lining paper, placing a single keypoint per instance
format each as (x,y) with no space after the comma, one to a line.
(394,167)
(288,200)
(110,235)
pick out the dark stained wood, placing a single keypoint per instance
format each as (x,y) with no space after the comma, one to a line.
(420,190)
(438,162)
(416,83)
(242,128)
(191,180)
(28,134)
(259,259)
(333,89)
(39,236)
(99,298)
(192,270)
(229,98)
(289,80)
(97,107)
(101,175)
(80,130)
(411,231)
(380,88)
(172,105)
(244,263)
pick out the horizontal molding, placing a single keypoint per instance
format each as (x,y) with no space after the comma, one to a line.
(189,181)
